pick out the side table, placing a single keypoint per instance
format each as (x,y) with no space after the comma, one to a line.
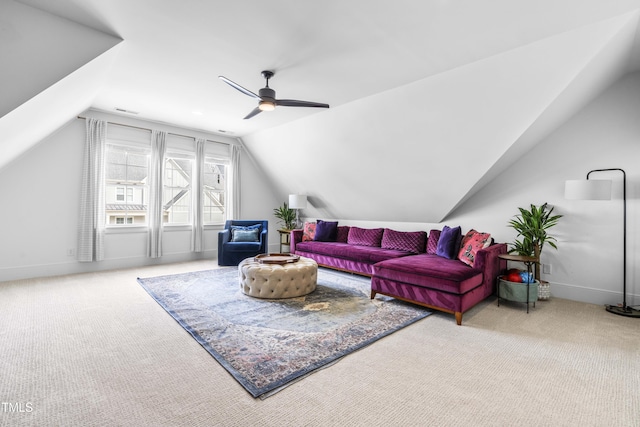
(528,261)
(285,240)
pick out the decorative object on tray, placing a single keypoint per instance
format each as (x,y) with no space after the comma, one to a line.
(277,258)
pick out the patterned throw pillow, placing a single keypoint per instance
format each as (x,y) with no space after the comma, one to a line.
(409,241)
(432,242)
(309,231)
(365,236)
(472,242)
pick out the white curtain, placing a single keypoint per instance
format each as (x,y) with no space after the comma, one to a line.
(92,215)
(156,179)
(197,241)
(233,191)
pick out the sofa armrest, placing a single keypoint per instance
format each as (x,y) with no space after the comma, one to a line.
(295,238)
(487,260)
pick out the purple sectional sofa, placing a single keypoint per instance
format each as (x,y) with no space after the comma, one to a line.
(408,266)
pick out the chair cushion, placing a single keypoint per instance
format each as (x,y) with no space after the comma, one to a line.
(251,235)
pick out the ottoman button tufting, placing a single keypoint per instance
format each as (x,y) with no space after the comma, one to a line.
(277,281)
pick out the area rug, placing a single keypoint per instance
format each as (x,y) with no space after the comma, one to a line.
(267,344)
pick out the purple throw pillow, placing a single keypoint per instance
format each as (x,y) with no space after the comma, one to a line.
(432,242)
(326,231)
(343,234)
(449,242)
(408,241)
(365,236)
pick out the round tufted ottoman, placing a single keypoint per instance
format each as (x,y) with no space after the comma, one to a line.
(278,280)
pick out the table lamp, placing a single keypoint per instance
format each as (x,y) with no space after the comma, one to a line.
(297,202)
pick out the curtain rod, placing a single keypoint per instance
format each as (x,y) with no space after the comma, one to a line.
(150,130)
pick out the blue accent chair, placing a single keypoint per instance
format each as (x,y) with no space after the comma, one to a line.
(231,253)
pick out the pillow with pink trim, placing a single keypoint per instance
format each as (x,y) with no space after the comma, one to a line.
(308,231)
(432,242)
(365,236)
(408,241)
(472,242)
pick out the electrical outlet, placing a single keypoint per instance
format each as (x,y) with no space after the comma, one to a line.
(546,268)
(71,252)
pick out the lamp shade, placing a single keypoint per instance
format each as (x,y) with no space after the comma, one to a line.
(587,189)
(297,201)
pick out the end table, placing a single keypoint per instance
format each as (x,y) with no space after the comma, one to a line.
(528,261)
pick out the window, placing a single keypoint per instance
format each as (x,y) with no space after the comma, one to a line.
(176,196)
(126,189)
(214,189)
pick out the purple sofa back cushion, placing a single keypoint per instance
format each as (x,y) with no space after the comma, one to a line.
(409,241)
(343,234)
(432,242)
(365,236)
(449,242)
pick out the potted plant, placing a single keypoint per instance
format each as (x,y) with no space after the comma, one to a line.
(532,226)
(286,215)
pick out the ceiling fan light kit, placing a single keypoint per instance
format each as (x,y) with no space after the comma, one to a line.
(267,97)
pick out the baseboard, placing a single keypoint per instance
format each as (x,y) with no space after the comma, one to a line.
(74,267)
(590,295)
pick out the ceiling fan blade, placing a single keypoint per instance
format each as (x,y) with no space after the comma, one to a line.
(238,87)
(296,103)
(253,113)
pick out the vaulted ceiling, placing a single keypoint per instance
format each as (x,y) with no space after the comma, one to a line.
(433,98)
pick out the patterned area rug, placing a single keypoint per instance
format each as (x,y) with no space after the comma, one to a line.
(268,344)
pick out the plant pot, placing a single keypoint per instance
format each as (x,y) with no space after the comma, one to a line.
(544,291)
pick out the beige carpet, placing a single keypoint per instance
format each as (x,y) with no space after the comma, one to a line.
(96,350)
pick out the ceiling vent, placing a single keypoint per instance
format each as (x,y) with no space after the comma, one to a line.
(122,110)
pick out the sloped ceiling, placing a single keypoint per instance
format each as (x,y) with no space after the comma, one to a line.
(52,68)
(429,100)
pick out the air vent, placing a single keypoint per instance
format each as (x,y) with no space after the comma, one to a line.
(122,110)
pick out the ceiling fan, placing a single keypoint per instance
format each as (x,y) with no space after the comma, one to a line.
(267,97)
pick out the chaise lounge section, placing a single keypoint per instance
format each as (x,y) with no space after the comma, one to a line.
(409,267)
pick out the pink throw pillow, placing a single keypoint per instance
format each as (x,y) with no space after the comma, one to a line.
(309,231)
(472,242)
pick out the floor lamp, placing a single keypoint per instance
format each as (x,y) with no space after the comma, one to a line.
(601,190)
(297,202)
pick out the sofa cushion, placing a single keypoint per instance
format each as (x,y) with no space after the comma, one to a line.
(432,242)
(449,242)
(409,241)
(343,233)
(472,242)
(430,271)
(365,254)
(365,236)
(326,231)
(308,231)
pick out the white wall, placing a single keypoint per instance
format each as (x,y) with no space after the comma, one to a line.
(588,263)
(39,204)
(39,207)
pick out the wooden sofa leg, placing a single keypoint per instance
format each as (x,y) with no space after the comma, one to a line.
(373,294)
(458,318)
